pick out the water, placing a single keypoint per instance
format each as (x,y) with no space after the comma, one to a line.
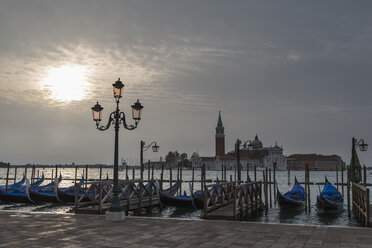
(275,214)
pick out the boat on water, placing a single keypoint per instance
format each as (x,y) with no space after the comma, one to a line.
(4,188)
(294,197)
(68,194)
(19,193)
(46,193)
(184,201)
(329,198)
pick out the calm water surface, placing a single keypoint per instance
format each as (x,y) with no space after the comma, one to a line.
(275,214)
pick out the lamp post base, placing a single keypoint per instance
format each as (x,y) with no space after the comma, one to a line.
(115,216)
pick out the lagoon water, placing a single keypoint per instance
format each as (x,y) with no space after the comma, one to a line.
(275,214)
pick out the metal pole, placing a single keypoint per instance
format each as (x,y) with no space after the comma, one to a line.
(115,202)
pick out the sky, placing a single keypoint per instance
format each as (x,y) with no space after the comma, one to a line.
(293,72)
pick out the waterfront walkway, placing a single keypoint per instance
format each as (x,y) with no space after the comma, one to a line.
(21,229)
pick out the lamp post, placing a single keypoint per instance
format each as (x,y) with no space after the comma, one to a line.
(116,118)
(155,148)
(237,149)
(356,175)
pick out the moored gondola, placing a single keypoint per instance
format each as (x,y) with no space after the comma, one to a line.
(19,193)
(294,197)
(46,193)
(184,201)
(68,194)
(329,198)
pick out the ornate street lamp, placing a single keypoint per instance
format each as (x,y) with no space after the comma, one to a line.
(116,118)
(155,148)
(356,172)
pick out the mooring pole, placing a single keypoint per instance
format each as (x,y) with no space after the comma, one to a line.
(342,180)
(76,169)
(289,176)
(100,174)
(134,173)
(192,179)
(308,188)
(126,172)
(255,174)
(162,176)
(7,177)
(15,174)
(270,181)
(170,178)
(148,171)
(306,185)
(348,191)
(181,180)
(365,175)
(337,176)
(274,188)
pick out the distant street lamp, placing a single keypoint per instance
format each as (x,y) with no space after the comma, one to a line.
(237,150)
(155,148)
(117,118)
(356,172)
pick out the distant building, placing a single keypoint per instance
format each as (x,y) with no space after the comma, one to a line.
(259,156)
(315,162)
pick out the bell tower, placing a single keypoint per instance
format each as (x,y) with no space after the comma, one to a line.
(220,137)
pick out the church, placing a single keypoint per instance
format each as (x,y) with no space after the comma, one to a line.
(252,154)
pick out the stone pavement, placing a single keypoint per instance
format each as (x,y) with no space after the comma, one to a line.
(24,229)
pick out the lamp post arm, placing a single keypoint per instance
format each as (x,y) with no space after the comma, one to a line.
(145,148)
(126,126)
(110,121)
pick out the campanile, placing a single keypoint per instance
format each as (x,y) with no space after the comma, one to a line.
(220,137)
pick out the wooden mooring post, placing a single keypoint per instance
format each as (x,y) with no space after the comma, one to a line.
(275,190)
(181,180)
(348,192)
(364,175)
(308,189)
(15,174)
(126,172)
(170,179)
(100,174)
(7,177)
(337,177)
(255,173)
(192,179)
(86,175)
(161,176)
(289,176)
(148,171)
(56,171)
(134,173)
(152,172)
(270,182)
(76,170)
(342,180)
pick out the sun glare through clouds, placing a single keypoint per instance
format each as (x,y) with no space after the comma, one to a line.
(66,83)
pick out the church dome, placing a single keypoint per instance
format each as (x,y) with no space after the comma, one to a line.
(256,143)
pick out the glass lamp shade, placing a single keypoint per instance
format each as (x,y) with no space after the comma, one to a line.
(137,110)
(97,112)
(363,147)
(118,89)
(155,148)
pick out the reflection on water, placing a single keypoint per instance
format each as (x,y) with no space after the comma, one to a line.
(275,214)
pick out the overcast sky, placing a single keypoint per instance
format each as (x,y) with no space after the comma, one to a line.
(294,72)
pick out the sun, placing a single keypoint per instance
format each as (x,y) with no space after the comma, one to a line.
(66,83)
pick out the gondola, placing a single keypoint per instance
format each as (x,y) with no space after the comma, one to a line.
(184,201)
(329,198)
(46,193)
(19,193)
(294,197)
(198,198)
(68,194)
(172,190)
(4,188)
